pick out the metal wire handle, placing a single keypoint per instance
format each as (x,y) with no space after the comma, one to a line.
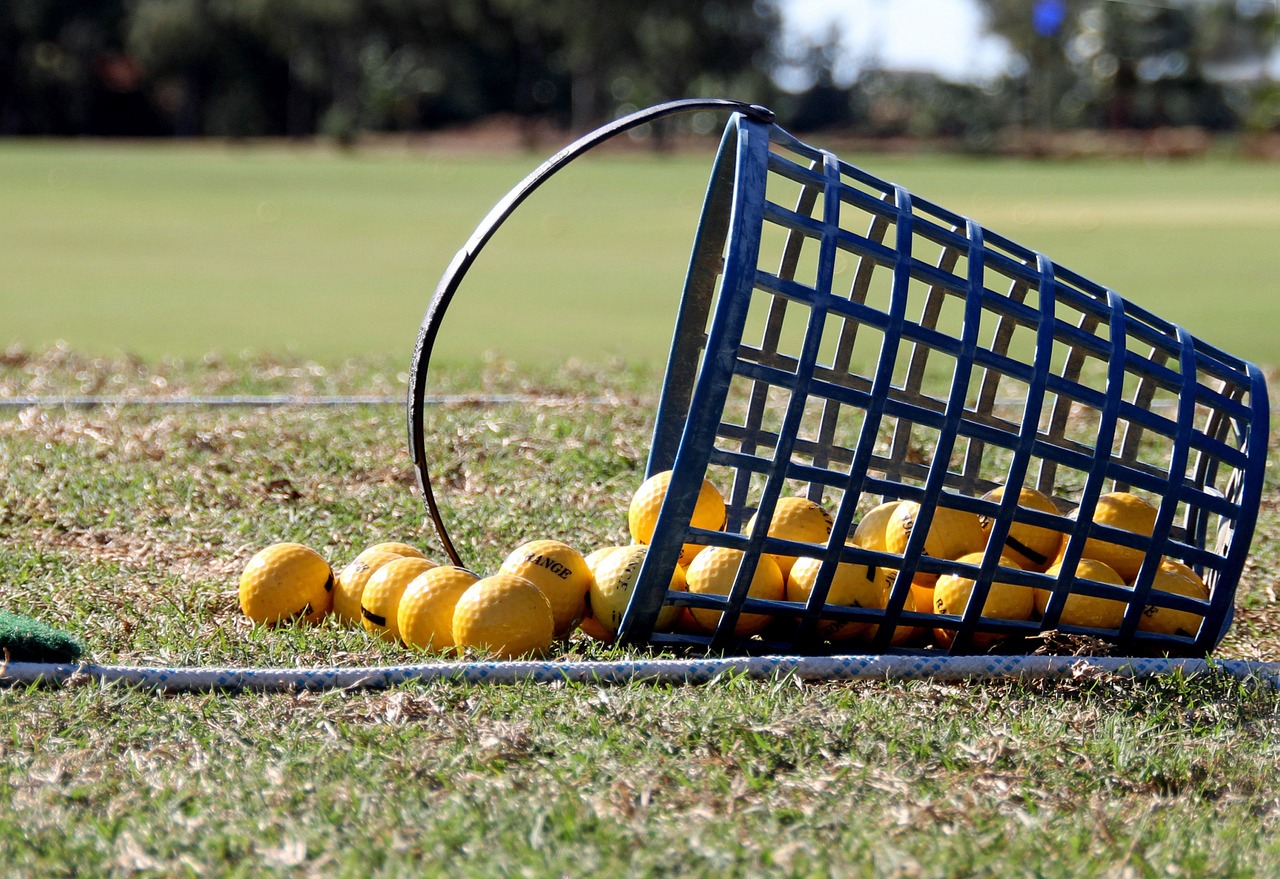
(462,261)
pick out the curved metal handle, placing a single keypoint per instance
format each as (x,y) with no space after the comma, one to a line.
(462,261)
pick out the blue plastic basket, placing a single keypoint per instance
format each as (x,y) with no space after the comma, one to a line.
(844,340)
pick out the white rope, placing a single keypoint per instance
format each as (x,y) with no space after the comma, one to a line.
(685,671)
(95,401)
(217,401)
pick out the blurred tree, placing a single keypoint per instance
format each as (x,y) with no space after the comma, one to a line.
(251,67)
(824,103)
(1120,64)
(62,70)
(1039,33)
(612,55)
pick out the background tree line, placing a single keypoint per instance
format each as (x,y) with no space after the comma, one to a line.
(341,67)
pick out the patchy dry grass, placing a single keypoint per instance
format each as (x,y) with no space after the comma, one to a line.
(128,527)
(738,777)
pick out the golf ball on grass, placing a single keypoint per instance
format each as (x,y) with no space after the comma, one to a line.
(589,625)
(596,556)
(350,583)
(380,602)
(286,581)
(425,613)
(395,548)
(560,572)
(504,615)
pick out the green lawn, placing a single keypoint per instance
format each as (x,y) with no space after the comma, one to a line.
(155,249)
(128,528)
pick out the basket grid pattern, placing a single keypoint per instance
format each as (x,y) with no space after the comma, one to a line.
(842,339)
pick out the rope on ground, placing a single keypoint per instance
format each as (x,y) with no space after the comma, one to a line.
(299,400)
(682,671)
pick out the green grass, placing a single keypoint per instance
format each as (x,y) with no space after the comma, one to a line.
(160,250)
(128,527)
(736,778)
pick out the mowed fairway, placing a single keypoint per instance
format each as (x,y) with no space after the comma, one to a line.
(156,250)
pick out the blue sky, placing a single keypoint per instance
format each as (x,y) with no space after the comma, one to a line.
(945,36)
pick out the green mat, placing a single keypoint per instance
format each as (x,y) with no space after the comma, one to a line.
(28,640)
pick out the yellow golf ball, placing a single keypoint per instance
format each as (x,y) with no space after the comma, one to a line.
(870,533)
(1087,610)
(642,515)
(1166,620)
(1185,570)
(380,601)
(799,519)
(952,533)
(504,615)
(589,625)
(713,571)
(286,581)
(425,614)
(1126,511)
(614,583)
(1005,601)
(852,585)
(596,556)
(350,583)
(401,549)
(560,572)
(1034,548)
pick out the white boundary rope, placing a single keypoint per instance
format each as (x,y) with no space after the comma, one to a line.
(222,401)
(302,400)
(683,671)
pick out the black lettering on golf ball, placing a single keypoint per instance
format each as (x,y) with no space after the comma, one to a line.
(1021,548)
(373,617)
(550,564)
(630,570)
